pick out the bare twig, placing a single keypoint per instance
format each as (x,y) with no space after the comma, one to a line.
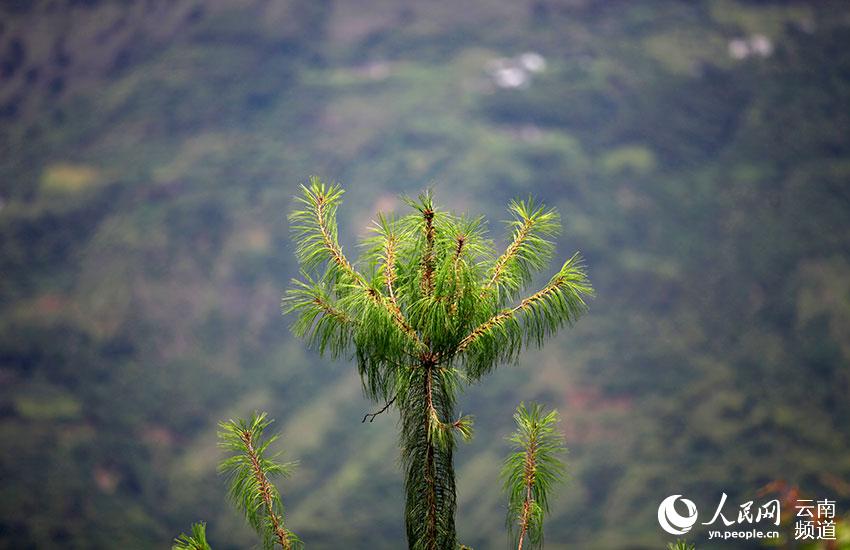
(383,409)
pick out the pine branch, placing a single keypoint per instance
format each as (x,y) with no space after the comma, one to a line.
(196,541)
(249,471)
(316,237)
(457,257)
(428,256)
(440,432)
(316,231)
(396,315)
(321,319)
(502,336)
(384,250)
(529,251)
(379,411)
(530,472)
(265,492)
(389,266)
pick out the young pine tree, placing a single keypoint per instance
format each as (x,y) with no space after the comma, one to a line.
(429,307)
(530,472)
(249,471)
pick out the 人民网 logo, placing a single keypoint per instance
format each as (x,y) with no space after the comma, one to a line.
(673,522)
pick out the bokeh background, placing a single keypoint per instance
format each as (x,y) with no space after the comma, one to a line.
(149,152)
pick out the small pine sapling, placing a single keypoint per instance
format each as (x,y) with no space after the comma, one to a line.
(249,472)
(530,472)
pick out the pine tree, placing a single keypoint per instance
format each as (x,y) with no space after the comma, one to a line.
(429,307)
(530,472)
(249,471)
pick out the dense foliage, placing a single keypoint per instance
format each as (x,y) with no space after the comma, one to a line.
(433,307)
(149,152)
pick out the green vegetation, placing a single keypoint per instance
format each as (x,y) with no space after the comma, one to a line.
(249,471)
(434,308)
(530,472)
(149,153)
(196,541)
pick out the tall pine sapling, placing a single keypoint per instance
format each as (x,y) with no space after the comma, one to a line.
(530,471)
(249,472)
(430,307)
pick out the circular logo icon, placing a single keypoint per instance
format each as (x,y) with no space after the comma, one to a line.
(671,521)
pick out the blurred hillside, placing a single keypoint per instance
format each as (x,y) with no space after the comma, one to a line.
(149,152)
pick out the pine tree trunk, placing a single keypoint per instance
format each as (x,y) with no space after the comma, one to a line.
(429,472)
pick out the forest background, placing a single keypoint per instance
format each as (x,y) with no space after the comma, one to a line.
(149,153)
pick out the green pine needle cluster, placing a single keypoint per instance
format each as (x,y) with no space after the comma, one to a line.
(531,471)
(196,541)
(429,307)
(249,472)
(680,545)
